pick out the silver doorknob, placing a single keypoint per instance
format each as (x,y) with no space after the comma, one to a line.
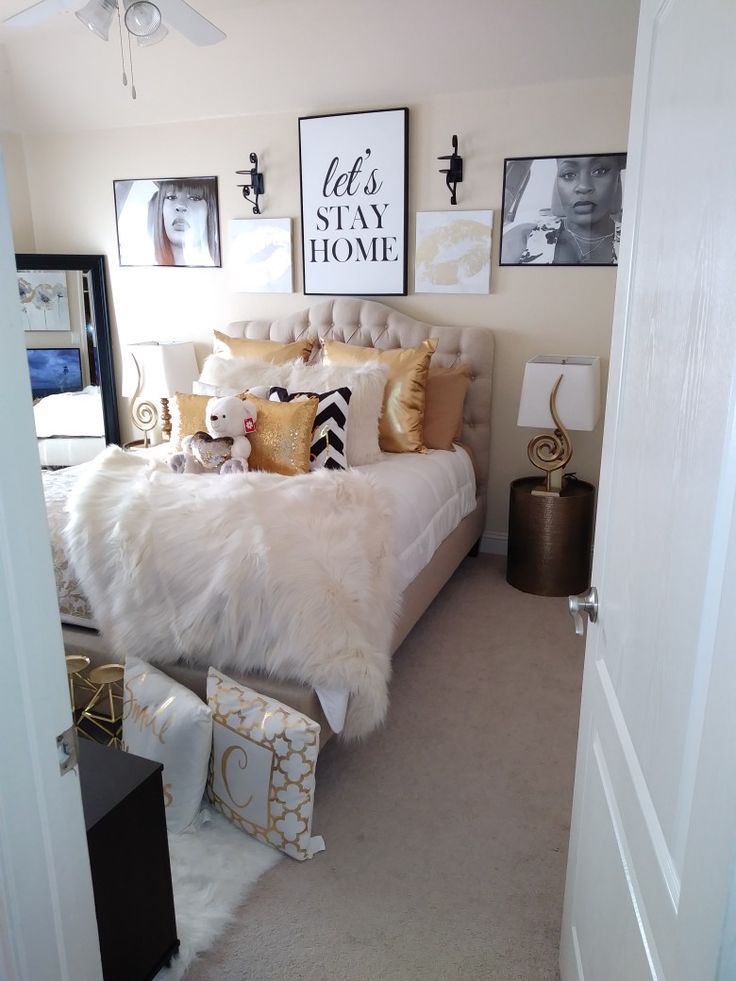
(586,604)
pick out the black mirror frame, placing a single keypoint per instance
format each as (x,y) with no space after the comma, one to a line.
(95,266)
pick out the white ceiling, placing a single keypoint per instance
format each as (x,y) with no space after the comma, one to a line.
(306,55)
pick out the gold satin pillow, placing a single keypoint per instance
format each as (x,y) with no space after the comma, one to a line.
(283,438)
(188,416)
(401,428)
(272,352)
(443,411)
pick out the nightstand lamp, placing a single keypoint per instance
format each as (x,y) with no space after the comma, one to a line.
(551,523)
(558,393)
(162,370)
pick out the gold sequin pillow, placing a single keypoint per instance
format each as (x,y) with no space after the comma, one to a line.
(283,437)
(262,767)
(188,416)
(271,352)
(401,427)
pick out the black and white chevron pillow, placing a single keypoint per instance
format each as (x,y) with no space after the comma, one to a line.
(330,423)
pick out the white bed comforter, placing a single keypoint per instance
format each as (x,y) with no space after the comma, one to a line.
(297,576)
(70,414)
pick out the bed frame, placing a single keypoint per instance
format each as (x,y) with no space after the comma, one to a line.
(367,323)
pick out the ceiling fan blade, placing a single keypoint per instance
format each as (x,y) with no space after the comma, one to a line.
(39,12)
(187,21)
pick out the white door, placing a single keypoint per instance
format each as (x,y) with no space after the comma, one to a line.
(47,920)
(654,818)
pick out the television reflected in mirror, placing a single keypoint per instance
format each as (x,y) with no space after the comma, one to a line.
(54,370)
(67,332)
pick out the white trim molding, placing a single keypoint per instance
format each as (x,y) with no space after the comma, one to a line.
(494,543)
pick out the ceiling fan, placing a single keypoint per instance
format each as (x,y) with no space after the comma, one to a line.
(143,20)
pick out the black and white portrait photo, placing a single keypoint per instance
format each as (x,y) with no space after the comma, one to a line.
(562,211)
(169,221)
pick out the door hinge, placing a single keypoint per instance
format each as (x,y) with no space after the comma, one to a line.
(68,750)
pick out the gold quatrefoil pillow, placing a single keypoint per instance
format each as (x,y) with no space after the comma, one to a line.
(262,767)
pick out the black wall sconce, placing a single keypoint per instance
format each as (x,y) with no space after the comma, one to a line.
(256,183)
(454,171)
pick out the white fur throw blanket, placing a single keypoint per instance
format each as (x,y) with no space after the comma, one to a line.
(295,576)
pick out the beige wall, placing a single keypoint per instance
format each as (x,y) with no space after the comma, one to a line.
(11,146)
(530,310)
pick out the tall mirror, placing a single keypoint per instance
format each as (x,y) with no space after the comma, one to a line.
(67,332)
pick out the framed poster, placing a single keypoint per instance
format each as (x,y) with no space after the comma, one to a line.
(169,221)
(353,169)
(453,252)
(43,300)
(260,255)
(562,211)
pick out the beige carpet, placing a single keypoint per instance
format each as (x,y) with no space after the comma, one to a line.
(447,831)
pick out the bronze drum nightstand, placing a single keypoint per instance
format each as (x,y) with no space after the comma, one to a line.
(550,537)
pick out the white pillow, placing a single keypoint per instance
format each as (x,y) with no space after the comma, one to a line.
(168,723)
(220,391)
(235,375)
(367,383)
(262,770)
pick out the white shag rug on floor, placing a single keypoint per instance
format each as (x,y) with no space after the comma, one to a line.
(212,870)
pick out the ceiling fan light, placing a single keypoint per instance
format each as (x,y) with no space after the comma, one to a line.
(142,18)
(154,38)
(97,16)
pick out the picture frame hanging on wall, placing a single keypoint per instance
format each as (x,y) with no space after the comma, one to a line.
(562,210)
(169,221)
(44,300)
(259,256)
(353,175)
(453,252)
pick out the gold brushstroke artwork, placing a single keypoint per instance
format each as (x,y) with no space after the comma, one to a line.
(453,251)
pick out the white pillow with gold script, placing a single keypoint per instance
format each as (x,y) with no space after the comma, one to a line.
(168,723)
(262,769)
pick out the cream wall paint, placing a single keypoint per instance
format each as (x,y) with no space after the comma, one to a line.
(11,146)
(531,311)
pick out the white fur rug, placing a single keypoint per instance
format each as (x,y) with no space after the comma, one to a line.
(212,869)
(295,576)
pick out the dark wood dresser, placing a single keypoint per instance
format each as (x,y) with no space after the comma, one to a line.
(122,797)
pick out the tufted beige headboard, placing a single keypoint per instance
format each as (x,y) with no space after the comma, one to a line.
(371,324)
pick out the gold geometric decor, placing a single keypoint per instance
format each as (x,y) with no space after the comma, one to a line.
(102,715)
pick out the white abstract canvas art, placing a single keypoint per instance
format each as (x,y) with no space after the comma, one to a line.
(260,255)
(453,252)
(44,301)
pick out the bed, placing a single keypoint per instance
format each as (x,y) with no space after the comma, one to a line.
(368,323)
(70,428)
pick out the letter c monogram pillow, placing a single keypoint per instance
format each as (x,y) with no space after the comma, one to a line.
(168,723)
(262,769)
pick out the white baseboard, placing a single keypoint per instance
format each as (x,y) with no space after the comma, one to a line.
(494,543)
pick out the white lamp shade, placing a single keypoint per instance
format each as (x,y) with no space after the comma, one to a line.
(578,397)
(165,368)
(97,16)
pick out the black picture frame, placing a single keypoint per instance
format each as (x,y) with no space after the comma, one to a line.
(546,223)
(143,236)
(357,162)
(94,266)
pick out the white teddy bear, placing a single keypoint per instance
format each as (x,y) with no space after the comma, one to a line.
(225,447)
